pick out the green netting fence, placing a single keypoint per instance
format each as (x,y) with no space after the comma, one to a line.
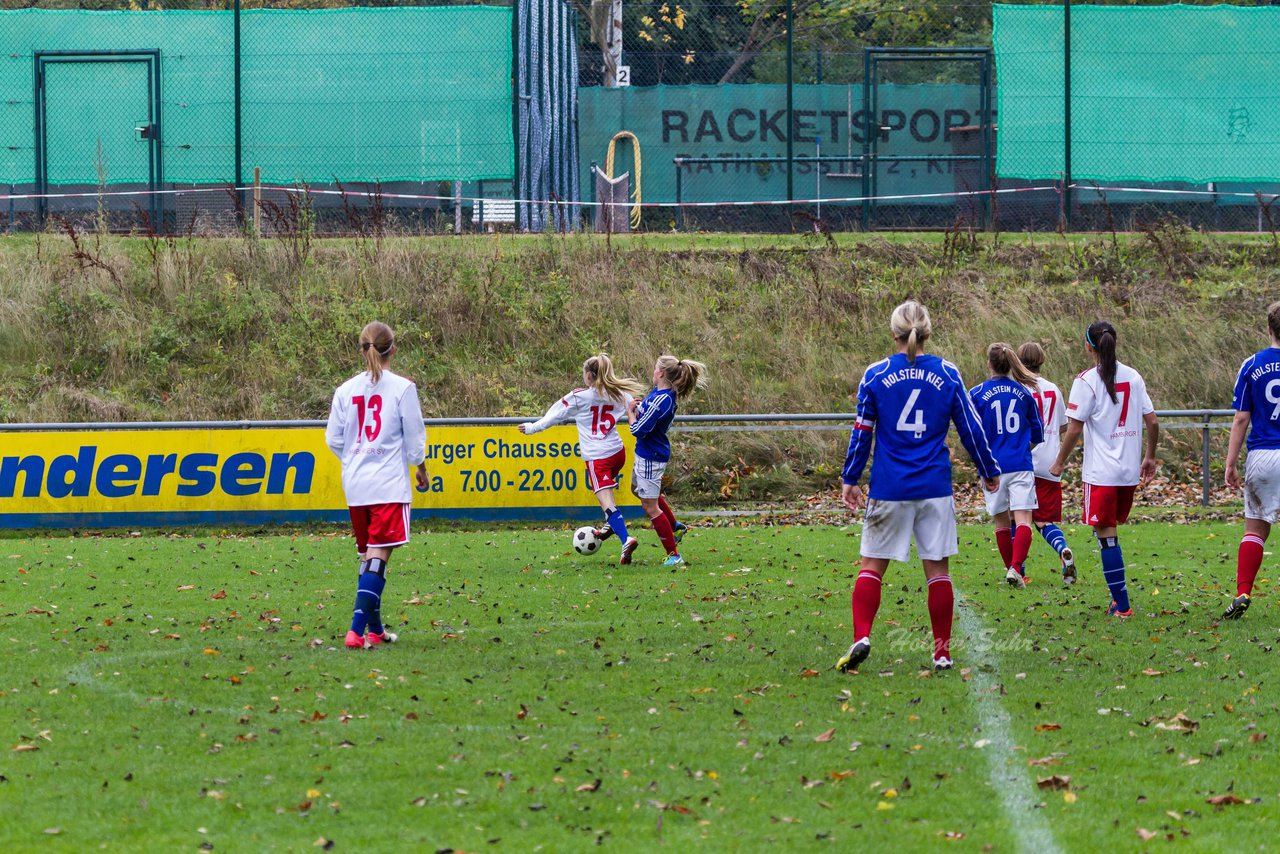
(353,94)
(1157,93)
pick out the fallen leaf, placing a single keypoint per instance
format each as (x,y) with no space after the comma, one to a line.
(326,844)
(221,594)
(1057,781)
(1223,800)
(24,748)
(1146,835)
(589,787)
(824,737)
(1048,727)
(1178,723)
(187,587)
(808,674)
(1150,672)
(1070,797)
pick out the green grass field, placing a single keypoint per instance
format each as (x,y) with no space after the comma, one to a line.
(191,692)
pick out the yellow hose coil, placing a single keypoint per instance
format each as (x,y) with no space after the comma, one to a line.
(608,170)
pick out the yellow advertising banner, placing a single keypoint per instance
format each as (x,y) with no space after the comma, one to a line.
(249,476)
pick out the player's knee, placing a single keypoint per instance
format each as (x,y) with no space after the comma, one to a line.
(375,565)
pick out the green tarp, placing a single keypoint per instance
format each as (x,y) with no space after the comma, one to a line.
(749,120)
(353,94)
(1158,93)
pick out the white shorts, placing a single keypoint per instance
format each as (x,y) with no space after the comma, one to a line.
(1262,485)
(646,480)
(1017,491)
(889,526)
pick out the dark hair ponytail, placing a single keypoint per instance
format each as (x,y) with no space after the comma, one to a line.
(1101,336)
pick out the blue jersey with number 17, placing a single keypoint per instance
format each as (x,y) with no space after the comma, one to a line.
(1258,393)
(908,408)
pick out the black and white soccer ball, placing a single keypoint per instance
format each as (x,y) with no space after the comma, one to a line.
(585,541)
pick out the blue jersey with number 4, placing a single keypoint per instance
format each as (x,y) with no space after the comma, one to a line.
(1258,393)
(1011,420)
(908,408)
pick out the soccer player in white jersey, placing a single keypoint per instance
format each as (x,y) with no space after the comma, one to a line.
(906,406)
(376,429)
(596,410)
(1257,405)
(1053,411)
(1109,405)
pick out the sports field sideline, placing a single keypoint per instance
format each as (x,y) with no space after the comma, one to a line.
(191,692)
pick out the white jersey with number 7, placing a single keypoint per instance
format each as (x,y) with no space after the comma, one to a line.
(1112,429)
(597,419)
(1053,412)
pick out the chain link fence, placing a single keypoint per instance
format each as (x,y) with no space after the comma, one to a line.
(755,115)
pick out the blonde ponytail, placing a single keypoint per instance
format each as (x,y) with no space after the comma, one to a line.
(685,375)
(911,325)
(376,342)
(1004,361)
(608,383)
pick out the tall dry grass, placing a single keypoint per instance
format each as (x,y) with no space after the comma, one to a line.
(236,328)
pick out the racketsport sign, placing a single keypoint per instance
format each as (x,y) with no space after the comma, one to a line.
(238,476)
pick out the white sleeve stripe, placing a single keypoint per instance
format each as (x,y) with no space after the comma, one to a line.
(970,414)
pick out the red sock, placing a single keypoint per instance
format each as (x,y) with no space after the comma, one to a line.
(942,600)
(1021,545)
(866,601)
(1248,562)
(1004,542)
(666,511)
(662,528)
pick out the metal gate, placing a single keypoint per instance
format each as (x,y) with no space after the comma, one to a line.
(97,123)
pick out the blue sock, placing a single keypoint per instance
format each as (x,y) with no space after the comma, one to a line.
(1113,571)
(369,598)
(1054,537)
(617,523)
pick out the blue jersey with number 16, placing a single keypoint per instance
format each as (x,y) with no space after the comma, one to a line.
(1258,393)
(1011,419)
(908,409)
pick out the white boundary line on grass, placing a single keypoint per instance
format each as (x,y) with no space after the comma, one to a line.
(1005,771)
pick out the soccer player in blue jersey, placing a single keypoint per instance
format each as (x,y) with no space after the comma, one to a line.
(1257,405)
(906,405)
(650,419)
(1011,420)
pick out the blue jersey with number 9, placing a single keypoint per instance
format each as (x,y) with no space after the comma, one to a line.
(908,409)
(1258,393)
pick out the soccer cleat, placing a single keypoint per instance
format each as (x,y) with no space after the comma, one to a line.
(1068,568)
(856,655)
(678,530)
(602,534)
(673,560)
(942,663)
(385,637)
(1239,605)
(1015,579)
(355,641)
(1113,610)
(628,549)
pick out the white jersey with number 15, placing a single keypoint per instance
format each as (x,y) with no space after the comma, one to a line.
(597,419)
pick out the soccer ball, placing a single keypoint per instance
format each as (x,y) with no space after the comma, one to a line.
(585,541)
